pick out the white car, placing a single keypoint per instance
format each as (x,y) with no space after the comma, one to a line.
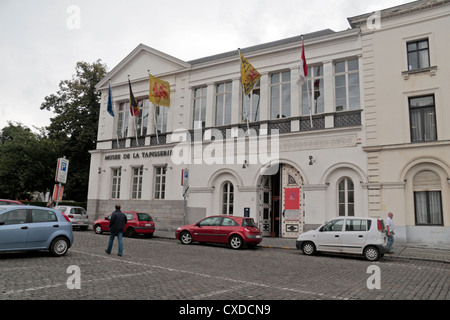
(353,235)
(77,216)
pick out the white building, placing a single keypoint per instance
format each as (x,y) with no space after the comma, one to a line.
(406,98)
(328,167)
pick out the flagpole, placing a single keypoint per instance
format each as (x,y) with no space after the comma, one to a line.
(154,113)
(307,89)
(243,91)
(134,115)
(115,123)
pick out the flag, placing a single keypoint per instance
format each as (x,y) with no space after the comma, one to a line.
(109,108)
(303,67)
(249,75)
(134,107)
(159,92)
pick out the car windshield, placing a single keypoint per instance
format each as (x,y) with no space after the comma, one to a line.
(248,222)
(144,217)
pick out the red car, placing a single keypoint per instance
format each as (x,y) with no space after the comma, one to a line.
(4,202)
(235,231)
(138,223)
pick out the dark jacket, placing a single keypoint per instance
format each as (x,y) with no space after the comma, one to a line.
(117,221)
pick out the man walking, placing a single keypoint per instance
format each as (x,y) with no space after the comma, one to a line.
(390,231)
(116,226)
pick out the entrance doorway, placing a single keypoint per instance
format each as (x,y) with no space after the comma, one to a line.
(281,203)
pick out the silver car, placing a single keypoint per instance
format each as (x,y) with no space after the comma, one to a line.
(353,235)
(77,215)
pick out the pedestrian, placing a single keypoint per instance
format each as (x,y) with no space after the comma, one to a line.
(390,227)
(116,226)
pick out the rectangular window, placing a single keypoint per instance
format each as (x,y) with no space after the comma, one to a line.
(199,108)
(418,54)
(428,208)
(160,182)
(250,107)
(142,119)
(422,115)
(161,119)
(346,81)
(312,92)
(115,185)
(280,95)
(122,120)
(137,183)
(223,103)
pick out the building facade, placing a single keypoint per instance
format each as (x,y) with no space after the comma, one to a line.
(406,98)
(288,156)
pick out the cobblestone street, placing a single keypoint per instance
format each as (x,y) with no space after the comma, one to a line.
(164,269)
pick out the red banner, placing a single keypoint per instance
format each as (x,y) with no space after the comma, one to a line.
(292,198)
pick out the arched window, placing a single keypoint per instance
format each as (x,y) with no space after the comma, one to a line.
(427,198)
(227,198)
(346,197)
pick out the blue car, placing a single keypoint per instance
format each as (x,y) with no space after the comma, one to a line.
(24,228)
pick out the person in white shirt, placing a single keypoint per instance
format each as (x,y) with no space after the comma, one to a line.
(390,227)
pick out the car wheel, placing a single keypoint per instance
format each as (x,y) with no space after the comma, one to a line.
(130,233)
(59,246)
(236,242)
(185,237)
(98,229)
(309,248)
(371,253)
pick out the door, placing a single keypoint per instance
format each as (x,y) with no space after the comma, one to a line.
(207,230)
(13,229)
(355,235)
(330,236)
(292,217)
(43,224)
(265,205)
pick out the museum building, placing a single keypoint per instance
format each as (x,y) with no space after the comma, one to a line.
(290,156)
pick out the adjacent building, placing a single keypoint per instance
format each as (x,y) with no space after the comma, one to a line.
(356,138)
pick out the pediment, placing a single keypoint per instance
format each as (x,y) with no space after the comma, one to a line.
(138,64)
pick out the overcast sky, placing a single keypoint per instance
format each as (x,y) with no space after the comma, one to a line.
(42,40)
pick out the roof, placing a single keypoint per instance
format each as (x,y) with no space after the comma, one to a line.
(267,45)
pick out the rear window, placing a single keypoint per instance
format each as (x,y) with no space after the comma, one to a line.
(248,223)
(144,217)
(77,211)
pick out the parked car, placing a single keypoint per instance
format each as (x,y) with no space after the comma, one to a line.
(77,215)
(353,235)
(4,202)
(235,231)
(34,228)
(138,223)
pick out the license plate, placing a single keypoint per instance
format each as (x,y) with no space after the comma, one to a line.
(148,225)
(258,236)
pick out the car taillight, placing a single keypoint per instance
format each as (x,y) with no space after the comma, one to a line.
(65,217)
(70,216)
(380,226)
(87,217)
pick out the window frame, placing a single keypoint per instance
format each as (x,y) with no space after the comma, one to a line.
(225,100)
(201,108)
(279,86)
(137,182)
(428,208)
(248,104)
(116,180)
(417,52)
(227,203)
(423,110)
(346,192)
(159,187)
(346,74)
(310,97)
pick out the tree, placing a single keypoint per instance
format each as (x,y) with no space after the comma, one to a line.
(27,161)
(77,106)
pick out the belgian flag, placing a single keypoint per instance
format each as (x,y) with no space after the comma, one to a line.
(134,107)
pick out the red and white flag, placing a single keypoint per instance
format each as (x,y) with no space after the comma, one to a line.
(303,67)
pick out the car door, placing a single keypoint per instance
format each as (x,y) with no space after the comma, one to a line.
(13,229)
(354,236)
(207,230)
(227,226)
(330,236)
(43,224)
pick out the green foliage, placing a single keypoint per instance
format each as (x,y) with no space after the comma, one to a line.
(27,161)
(75,125)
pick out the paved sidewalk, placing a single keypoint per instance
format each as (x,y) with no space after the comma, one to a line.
(409,251)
